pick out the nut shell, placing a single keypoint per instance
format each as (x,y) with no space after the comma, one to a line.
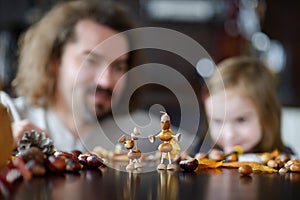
(56,164)
(189,165)
(165,147)
(295,167)
(245,170)
(93,161)
(233,157)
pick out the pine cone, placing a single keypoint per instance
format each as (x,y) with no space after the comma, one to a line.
(35,139)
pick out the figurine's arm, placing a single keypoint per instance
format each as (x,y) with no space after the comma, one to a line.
(152,137)
(177,137)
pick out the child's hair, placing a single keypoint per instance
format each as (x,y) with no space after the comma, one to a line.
(254,80)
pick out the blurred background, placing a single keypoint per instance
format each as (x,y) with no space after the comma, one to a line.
(266,28)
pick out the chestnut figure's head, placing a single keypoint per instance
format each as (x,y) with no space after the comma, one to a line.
(165,121)
(128,144)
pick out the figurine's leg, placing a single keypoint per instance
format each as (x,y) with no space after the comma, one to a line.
(170,165)
(137,164)
(162,157)
(162,166)
(130,166)
(169,156)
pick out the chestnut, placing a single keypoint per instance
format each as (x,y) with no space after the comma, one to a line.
(283,171)
(93,161)
(189,165)
(245,170)
(232,157)
(295,167)
(36,168)
(73,165)
(272,163)
(76,153)
(65,155)
(56,164)
(82,159)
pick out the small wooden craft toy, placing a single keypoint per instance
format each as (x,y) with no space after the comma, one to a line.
(134,155)
(169,145)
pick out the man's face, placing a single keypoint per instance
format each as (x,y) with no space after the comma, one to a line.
(90,70)
(239,126)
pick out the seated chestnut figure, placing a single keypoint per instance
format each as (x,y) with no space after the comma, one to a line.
(134,155)
(169,144)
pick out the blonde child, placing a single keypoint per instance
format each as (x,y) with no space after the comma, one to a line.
(242,108)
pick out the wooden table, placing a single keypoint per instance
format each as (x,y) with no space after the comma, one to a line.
(113,184)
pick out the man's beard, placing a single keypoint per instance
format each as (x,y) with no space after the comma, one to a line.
(101,114)
(100,109)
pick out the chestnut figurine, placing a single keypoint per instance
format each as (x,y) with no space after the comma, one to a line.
(134,155)
(169,142)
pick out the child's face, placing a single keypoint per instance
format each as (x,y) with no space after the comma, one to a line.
(241,124)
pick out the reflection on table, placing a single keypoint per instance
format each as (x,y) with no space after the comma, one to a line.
(113,184)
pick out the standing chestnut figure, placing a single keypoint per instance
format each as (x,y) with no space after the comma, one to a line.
(169,142)
(134,155)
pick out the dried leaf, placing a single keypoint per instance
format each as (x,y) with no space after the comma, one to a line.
(255,166)
(208,163)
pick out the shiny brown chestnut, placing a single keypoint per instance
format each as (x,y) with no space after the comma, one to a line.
(36,168)
(56,164)
(232,157)
(189,165)
(82,159)
(65,155)
(76,153)
(73,165)
(245,170)
(94,161)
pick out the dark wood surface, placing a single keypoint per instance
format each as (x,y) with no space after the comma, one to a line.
(113,184)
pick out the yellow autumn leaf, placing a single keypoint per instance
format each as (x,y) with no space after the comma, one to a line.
(255,166)
(208,163)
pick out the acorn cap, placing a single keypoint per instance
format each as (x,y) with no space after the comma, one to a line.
(165,117)
(136,131)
